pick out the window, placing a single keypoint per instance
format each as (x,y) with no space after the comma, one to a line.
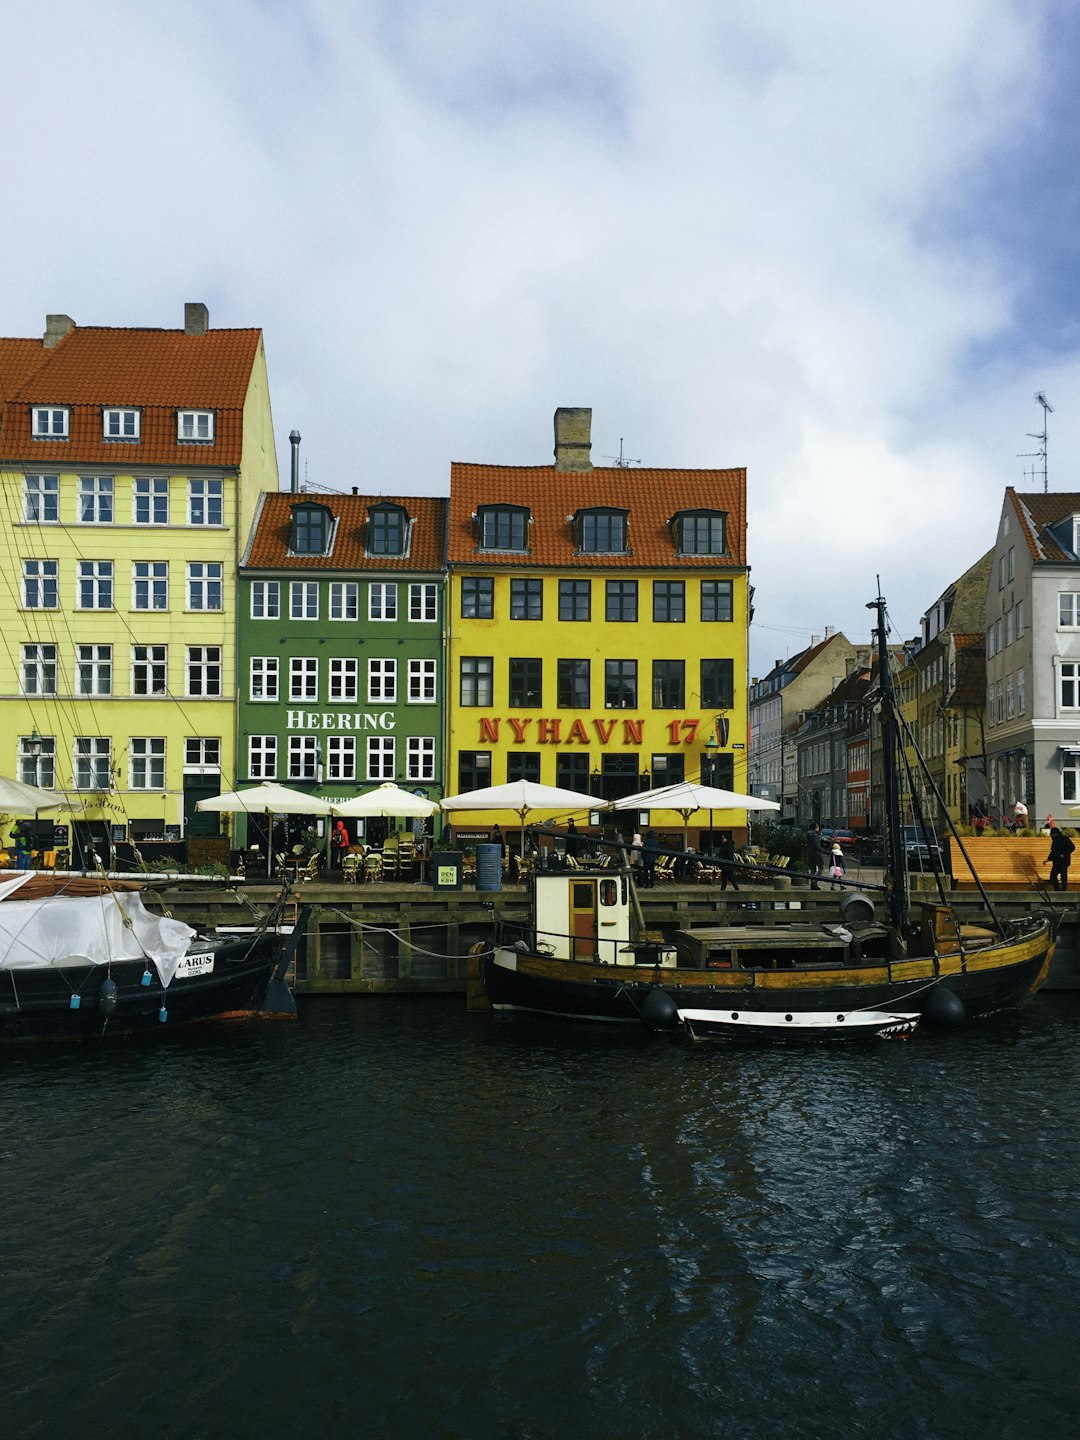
(93,669)
(303,600)
(669,601)
(203,670)
(572,773)
(477,597)
(526,682)
(387,529)
(150,585)
(382,602)
(1009,626)
(195,427)
(262,757)
(96,499)
(701,532)
(1019,619)
(49,422)
(573,689)
(37,768)
(717,684)
(147,763)
(263,677)
(477,679)
(1070,777)
(340,757)
(523,765)
(420,758)
(95,585)
(1068,691)
(150,501)
(41,498)
(621,600)
(602,532)
(620,684)
(120,425)
(575,599)
(205,585)
(668,769)
(474,769)
(669,687)
(344,683)
(206,502)
(303,678)
(380,757)
(1010,698)
(715,600)
(93,762)
(265,599)
(309,533)
(526,599)
(503,527)
(1068,610)
(382,682)
(1001,572)
(422,682)
(1012,562)
(39,584)
(344,600)
(202,752)
(304,757)
(38,669)
(423,602)
(149,670)
(1021,694)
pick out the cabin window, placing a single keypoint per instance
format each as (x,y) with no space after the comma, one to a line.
(609,892)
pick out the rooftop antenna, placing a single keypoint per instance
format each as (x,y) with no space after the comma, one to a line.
(1040,454)
(621,460)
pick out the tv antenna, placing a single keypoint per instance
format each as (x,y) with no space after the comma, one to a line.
(1040,454)
(621,460)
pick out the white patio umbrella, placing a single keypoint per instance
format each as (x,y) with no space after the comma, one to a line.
(687,797)
(15,795)
(386,800)
(267,799)
(521,796)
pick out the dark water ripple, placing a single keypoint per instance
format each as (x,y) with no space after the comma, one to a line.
(394,1219)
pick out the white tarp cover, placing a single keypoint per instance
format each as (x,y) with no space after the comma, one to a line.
(71,930)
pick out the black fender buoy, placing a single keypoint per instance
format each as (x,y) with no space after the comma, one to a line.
(944,1007)
(658,1009)
(107,998)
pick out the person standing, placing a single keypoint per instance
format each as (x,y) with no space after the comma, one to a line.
(1061,849)
(816,854)
(836,862)
(573,840)
(1020,816)
(339,844)
(725,858)
(649,853)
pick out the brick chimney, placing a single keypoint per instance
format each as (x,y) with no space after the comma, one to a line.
(196,318)
(56,327)
(573,438)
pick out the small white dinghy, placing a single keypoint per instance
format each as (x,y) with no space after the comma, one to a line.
(798,1024)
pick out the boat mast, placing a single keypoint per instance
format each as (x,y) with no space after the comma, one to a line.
(896,883)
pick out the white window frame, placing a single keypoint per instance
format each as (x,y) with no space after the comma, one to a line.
(205,585)
(195,427)
(423,682)
(206,502)
(423,602)
(303,678)
(262,758)
(97,494)
(150,589)
(41,584)
(121,425)
(37,669)
(382,682)
(203,672)
(382,601)
(1070,777)
(50,422)
(150,500)
(37,769)
(91,762)
(1021,692)
(146,762)
(264,679)
(304,758)
(343,681)
(41,499)
(93,669)
(340,757)
(381,751)
(266,599)
(344,600)
(303,600)
(420,758)
(94,585)
(149,670)
(1068,685)
(1068,610)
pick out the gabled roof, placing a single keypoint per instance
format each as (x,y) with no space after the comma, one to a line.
(653,498)
(1036,513)
(268,548)
(155,371)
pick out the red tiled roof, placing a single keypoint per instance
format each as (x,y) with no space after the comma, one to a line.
(269,546)
(156,371)
(652,496)
(1036,513)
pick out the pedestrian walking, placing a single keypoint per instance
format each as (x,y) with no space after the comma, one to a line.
(1061,849)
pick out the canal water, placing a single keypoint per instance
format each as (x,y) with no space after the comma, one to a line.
(394,1219)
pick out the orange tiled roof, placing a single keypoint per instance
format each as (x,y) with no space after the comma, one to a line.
(156,371)
(1036,513)
(269,545)
(652,496)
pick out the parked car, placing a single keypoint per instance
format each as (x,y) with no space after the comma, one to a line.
(844,838)
(923,850)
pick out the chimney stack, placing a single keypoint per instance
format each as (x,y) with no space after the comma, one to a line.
(573,438)
(294,473)
(196,318)
(56,327)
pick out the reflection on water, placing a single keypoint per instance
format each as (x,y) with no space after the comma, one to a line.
(395,1219)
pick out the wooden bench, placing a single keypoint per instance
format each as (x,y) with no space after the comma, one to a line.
(1002,862)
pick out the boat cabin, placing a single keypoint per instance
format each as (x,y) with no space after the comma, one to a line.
(593,916)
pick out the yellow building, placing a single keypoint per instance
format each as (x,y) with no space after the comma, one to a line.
(597,628)
(131,463)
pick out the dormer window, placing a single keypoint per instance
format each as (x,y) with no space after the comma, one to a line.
(503,527)
(195,427)
(387,530)
(121,425)
(601,532)
(50,422)
(309,533)
(700,532)
(1076,534)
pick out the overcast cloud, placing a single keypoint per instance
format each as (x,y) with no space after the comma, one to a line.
(830,240)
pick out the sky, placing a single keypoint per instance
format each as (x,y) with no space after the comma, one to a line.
(832,241)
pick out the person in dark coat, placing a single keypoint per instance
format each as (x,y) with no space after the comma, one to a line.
(573,840)
(649,852)
(725,857)
(1061,849)
(817,854)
